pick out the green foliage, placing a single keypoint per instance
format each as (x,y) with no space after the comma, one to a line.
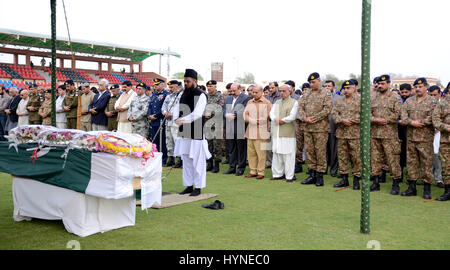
(248,78)
(180,76)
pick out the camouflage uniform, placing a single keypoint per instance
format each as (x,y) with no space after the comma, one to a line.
(171,128)
(348,136)
(46,108)
(384,138)
(71,100)
(441,120)
(316,104)
(112,120)
(419,152)
(138,109)
(214,125)
(34,118)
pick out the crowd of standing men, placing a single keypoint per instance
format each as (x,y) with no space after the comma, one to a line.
(275,127)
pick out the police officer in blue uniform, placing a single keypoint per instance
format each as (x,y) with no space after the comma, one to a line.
(156,117)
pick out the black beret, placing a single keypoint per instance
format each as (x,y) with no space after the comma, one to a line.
(143,85)
(173,82)
(127,83)
(69,82)
(419,81)
(376,80)
(190,73)
(202,87)
(291,83)
(384,78)
(157,81)
(348,83)
(313,76)
(48,91)
(211,82)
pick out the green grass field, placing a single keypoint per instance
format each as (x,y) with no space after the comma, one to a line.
(258,215)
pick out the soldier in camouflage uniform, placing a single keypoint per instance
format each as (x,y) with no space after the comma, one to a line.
(314,109)
(441,121)
(384,116)
(33,105)
(171,128)
(417,113)
(346,115)
(70,104)
(137,113)
(110,112)
(214,125)
(45,110)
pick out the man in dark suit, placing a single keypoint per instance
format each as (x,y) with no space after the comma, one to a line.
(233,112)
(97,107)
(12,117)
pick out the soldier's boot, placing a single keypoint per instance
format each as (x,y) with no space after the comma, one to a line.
(311,179)
(395,187)
(356,180)
(382,178)
(376,184)
(446,195)
(427,191)
(298,167)
(170,162)
(187,190)
(216,167)
(411,191)
(319,179)
(210,165)
(179,164)
(309,172)
(343,182)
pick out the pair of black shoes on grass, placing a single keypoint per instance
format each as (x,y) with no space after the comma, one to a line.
(191,190)
(216,205)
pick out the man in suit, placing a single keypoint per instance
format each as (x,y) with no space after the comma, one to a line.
(235,129)
(12,117)
(97,107)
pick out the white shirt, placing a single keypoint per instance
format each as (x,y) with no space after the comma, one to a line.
(60,113)
(283,145)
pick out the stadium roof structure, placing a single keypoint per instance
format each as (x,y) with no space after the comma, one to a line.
(17,38)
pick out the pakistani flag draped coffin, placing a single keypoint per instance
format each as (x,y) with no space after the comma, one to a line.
(107,174)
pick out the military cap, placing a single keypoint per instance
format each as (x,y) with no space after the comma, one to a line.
(313,76)
(173,82)
(384,78)
(419,81)
(115,86)
(69,82)
(48,91)
(190,73)
(376,80)
(201,87)
(143,85)
(157,81)
(211,82)
(348,83)
(127,83)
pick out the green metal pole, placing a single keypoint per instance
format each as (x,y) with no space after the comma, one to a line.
(53,22)
(365,116)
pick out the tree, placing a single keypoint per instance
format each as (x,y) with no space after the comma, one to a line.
(180,76)
(248,78)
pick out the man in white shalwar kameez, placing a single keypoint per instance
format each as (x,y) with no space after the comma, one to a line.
(283,115)
(191,144)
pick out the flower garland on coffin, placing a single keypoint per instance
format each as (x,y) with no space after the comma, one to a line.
(117,143)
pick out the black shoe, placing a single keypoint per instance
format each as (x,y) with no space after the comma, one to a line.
(170,162)
(356,180)
(230,171)
(196,192)
(240,172)
(376,184)
(319,179)
(226,162)
(382,178)
(178,164)
(309,172)
(334,174)
(187,190)
(216,205)
(311,179)
(411,191)
(216,167)
(395,187)
(427,191)
(343,182)
(446,195)
(210,165)
(298,167)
